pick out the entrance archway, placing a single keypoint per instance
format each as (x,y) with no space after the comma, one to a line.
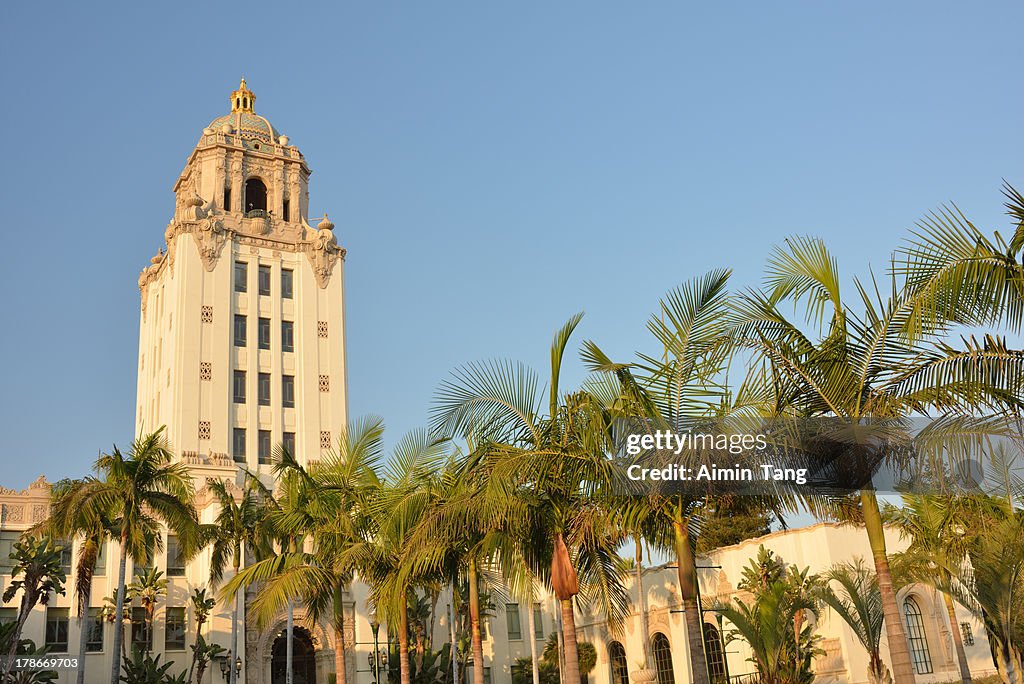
(303,658)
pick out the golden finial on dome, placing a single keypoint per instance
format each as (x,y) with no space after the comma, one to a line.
(243,99)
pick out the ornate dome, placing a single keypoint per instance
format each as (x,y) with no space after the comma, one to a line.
(243,120)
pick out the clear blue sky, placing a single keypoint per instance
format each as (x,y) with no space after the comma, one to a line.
(491,167)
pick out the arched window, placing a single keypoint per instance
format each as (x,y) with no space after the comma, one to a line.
(617,658)
(716,654)
(663,658)
(916,637)
(255,197)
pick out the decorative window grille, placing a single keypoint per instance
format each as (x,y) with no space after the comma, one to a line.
(617,656)
(663,659)
(205,370)
(919,652)
(325,439)
(325,383)
(207,315)
(204,429)
(321,329)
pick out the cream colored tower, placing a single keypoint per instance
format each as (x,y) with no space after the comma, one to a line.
(242,334)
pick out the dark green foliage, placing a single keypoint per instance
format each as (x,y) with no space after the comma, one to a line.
(725,525)
(522,669)
(436,668)
(143,668)
(26,647)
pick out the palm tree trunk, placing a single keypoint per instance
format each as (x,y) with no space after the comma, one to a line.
(195,652)
(122,567)
(1007,662)
(451,630)
(23,612)
(233,677)
(572,658)
(534,665)
(958,639)
(403,642)
(641,602)
(474,622)
(687,571)
(289,645)
(83,618)
(340,673)
(899,650)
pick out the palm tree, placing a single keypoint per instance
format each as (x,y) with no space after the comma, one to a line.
(781,640)
(460,533)
(324,503)
(137,492)
(237,529)
(684,385)
(202,654)
(552,456)
(202,606)
(390,509)
(148,588)
(989,579)
(933,524)
(859,604)
(865,366)
(69,520)
(37,573)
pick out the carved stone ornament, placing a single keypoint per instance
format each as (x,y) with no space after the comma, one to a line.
(322,249)
(210,237)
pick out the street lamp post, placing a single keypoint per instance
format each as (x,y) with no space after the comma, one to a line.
(375,626)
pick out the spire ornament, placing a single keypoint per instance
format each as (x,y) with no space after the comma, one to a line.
(243,99)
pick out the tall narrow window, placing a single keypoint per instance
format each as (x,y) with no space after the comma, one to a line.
(538,622)
(240,330)
(263,387)
(66,555)
(264,333)
(238,445)
(288,391)
(715,651)
(617,660)
(264,280)
(663,659)
(286,210)
(916,637)
(141,637)
(7,540)
(238,391)
(175,558)
(100,568)
(94,638)
(264,447)
(57,629)
(287,336)
(227,198)
(288,442)
(241,276)
(286,283)
(512,622)
(174,629)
